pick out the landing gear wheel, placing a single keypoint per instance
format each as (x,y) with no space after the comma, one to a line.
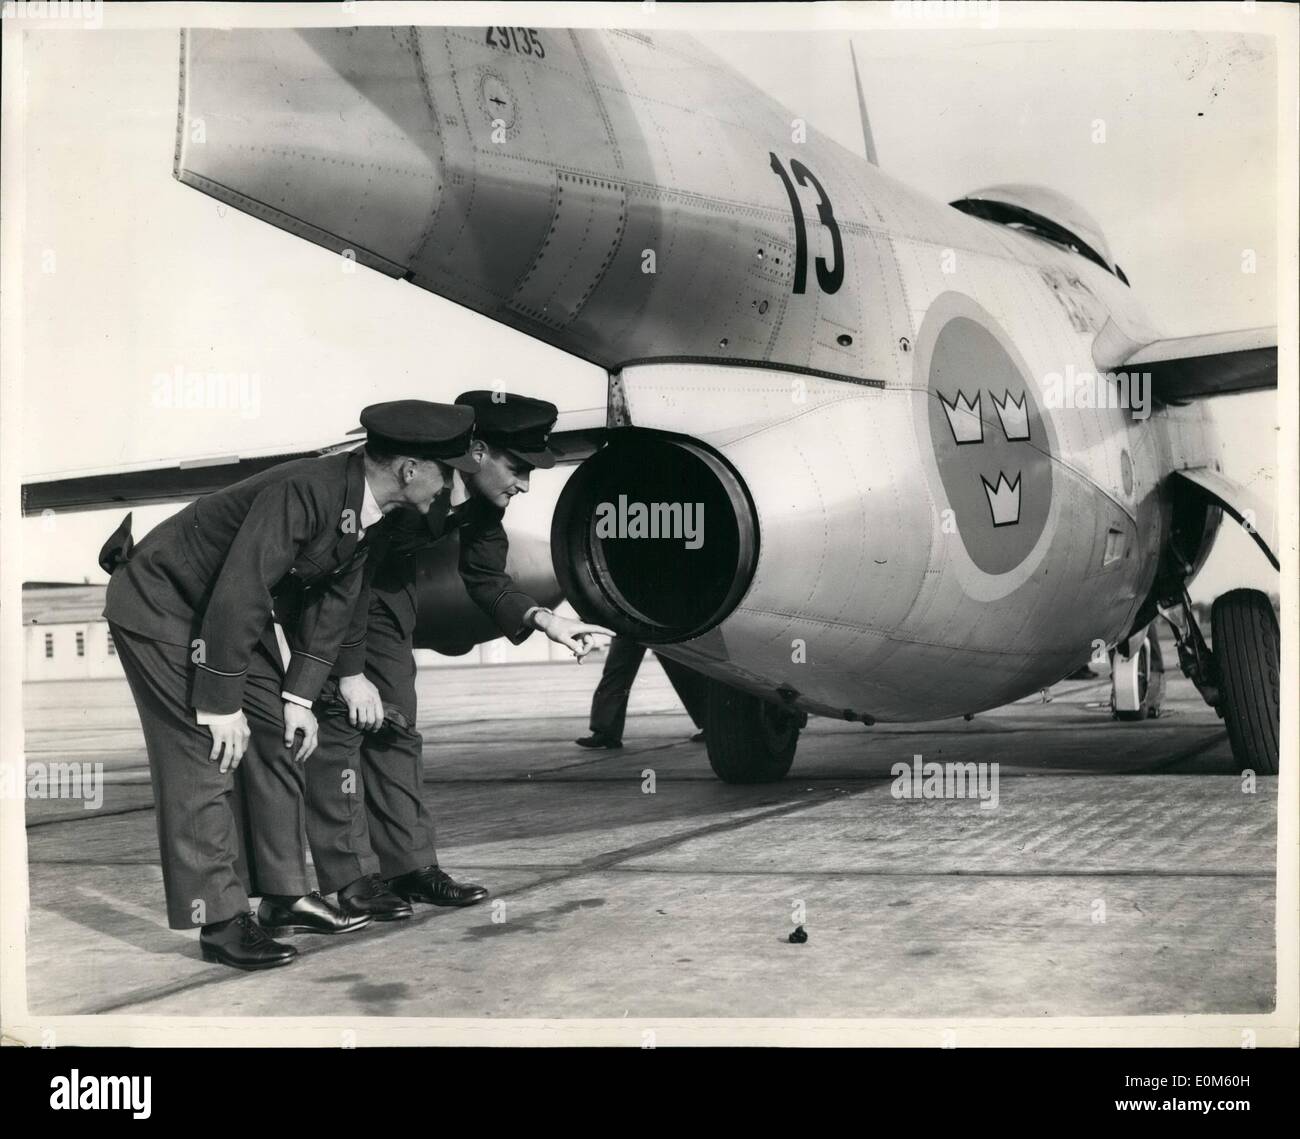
(1137,682)
(749,740)
(1246,646)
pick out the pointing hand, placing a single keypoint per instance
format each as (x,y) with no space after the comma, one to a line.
(576,636)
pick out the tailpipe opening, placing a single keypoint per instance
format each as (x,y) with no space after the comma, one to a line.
(655,536)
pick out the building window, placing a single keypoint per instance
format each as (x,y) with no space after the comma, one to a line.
(49,646)
(112,648)
(81,644)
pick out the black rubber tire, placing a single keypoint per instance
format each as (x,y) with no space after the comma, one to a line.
(1246,649)
(749,740)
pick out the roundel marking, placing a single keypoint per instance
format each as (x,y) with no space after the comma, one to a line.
(990,445)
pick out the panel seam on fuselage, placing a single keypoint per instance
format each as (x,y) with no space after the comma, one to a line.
(766,365)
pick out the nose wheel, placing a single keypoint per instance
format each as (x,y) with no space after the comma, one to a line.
(1137,678)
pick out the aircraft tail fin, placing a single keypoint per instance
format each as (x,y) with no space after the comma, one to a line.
(868,142)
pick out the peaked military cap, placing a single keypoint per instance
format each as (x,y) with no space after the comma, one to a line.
(422,430)
(515,423)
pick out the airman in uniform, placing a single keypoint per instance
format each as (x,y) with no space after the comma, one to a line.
(228,618)
(372,838)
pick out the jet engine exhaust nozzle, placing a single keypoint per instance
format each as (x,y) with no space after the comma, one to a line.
(656,537)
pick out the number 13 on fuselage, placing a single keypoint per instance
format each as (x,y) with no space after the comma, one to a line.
(829,277)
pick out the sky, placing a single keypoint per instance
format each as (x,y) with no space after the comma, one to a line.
(130,276)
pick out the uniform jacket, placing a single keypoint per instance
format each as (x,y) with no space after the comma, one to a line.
(284,541)
(484,548)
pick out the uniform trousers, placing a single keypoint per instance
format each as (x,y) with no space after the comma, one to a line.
(366,810)
(622,662)
(221,835)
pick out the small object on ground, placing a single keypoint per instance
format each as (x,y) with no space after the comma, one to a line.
(799,936)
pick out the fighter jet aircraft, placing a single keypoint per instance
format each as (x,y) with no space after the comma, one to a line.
(866,455)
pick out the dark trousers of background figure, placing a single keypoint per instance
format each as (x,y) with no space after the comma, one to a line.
(366,813)
(609,703)
(221,836)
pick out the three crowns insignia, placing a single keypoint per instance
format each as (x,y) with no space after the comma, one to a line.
(964,418)
(1015,419)
(1004,500)
(966,421)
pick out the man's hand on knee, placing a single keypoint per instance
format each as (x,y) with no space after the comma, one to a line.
(299,719)
(229,739)
(365,706)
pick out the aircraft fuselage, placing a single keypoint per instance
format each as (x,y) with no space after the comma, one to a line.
(932,510)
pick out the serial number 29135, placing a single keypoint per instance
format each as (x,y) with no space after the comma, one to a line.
(526,41)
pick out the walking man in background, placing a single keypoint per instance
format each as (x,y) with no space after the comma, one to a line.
(609,703)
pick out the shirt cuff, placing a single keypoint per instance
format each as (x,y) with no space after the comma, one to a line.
(290,698)
(205,719)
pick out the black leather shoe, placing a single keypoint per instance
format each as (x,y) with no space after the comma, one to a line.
(435,887)
(309,914)
(599,739)
(369,897)
(697,738)
(243,944)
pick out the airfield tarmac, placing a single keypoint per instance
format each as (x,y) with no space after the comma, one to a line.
(678,903)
